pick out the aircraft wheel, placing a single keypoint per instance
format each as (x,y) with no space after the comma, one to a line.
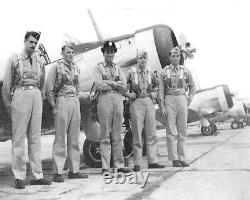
(235,125)
(91,153)
(206,130)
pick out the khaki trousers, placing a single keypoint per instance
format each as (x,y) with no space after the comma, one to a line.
(176,131)
(67,123)
(110,115)
(142,112)
(26,111)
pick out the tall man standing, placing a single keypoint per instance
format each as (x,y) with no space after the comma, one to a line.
(23,90)
(174,82)
(62,90)
(110,81)
(143,88)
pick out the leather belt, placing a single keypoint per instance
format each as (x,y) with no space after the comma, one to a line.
(138,96)
(175,94)
(28,87)
(67,95)
(108,91)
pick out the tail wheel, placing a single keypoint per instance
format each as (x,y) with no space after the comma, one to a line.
(235,125)
(206,130)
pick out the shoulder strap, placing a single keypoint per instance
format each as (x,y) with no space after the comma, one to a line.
(76,72)
(102,67)
(181,72)
(167,68)
(149,77)
(135,75)
(116,70)
(19,60)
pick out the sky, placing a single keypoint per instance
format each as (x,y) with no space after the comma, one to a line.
(219,30)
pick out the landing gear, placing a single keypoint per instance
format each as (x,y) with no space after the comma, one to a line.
(92,154)
(209,129)
(206,130)
(237,125)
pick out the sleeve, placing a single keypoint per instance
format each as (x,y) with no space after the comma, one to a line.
(78,82)
(50,84)
(128,82)
(7,82)
(99,82)
(191,86)
(155,82)
(42,80)
(123,79)
(161,87)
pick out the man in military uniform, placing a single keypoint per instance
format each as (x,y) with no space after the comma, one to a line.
(143,88)
(62,90)
(109,82)
(23,90)
(174,82)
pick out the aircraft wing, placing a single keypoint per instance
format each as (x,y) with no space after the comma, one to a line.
(207,102)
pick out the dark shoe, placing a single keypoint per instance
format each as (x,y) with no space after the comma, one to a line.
(105,171)
(176,163)
(155,165)
(184,163)
(76,175)
(83,166)
(41,181)
(137,168)
(19,184)
(124,170)
(58,178)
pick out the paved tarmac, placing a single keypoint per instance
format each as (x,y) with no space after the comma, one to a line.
(219,169)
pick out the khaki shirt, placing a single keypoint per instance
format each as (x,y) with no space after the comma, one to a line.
(20,72)
(65,77)
(143,81)
(110,72)
(175,77)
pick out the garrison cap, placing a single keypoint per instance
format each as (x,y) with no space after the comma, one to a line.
(175,50)
(109,46)
(142,52)
(70,45)
(33,33)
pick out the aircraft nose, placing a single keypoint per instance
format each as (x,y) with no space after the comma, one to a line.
(165,40)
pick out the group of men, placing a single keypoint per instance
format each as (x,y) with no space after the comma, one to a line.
(24,89)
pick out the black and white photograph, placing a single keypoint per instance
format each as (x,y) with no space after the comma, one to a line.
(127,100)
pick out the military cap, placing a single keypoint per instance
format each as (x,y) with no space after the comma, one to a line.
(109,46)
(175,50)
(142,52)
(70,45)
(32,33)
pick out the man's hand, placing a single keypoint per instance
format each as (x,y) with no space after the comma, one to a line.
(118,85)
(131,96)
(153,95)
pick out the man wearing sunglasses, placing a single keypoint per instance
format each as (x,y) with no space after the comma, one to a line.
(174,82)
